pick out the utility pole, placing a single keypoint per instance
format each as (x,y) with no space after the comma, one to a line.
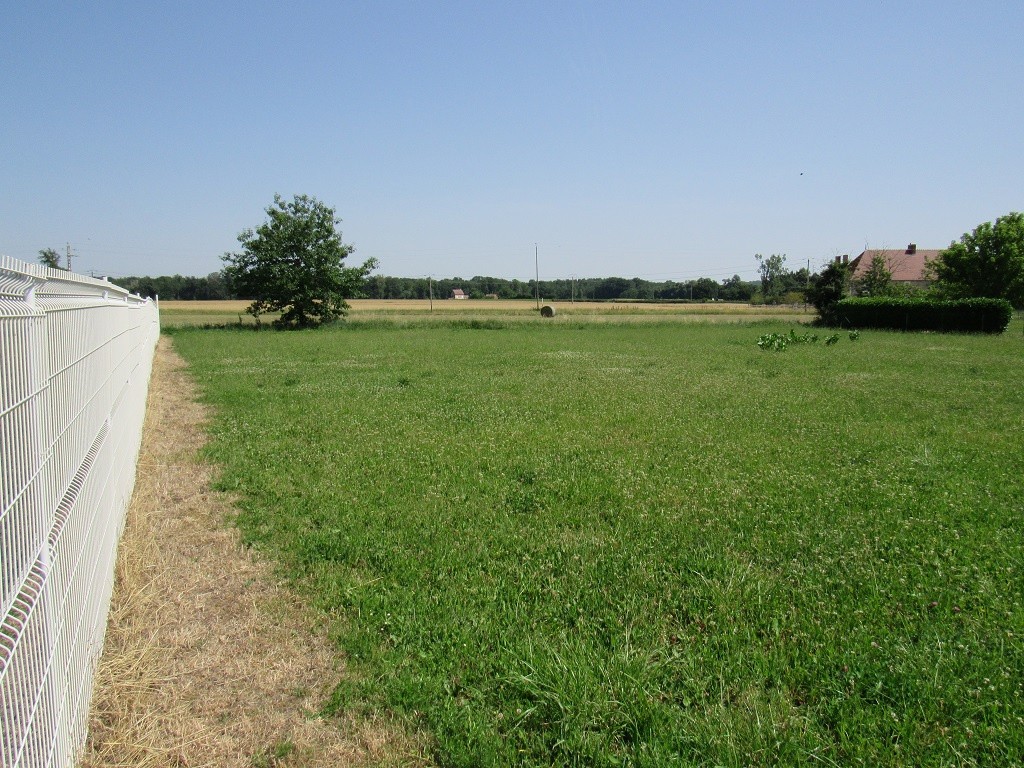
(430,287)
(807,285)
(69,254)
(536,268)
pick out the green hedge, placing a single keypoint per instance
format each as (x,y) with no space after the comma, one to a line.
(959,316)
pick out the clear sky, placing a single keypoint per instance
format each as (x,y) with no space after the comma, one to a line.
(666,140)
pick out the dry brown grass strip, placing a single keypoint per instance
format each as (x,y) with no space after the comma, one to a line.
(208,660)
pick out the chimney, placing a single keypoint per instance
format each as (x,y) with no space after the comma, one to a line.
(912,248)
(846,258)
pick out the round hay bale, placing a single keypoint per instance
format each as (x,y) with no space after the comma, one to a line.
(547,311)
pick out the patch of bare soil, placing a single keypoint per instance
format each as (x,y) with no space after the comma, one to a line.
(208,660)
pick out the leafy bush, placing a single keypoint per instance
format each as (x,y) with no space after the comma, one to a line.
(829,289)
(773,341)
(779,341)
(906,314)
(987,262)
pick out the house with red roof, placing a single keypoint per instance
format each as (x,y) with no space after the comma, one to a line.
(907,266)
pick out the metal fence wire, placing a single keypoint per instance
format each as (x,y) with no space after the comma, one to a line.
(75,359)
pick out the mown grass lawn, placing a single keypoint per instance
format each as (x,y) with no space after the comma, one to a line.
(646,545)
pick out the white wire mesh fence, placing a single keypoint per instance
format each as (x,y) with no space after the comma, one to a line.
(75,358)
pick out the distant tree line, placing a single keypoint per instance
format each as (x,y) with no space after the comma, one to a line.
(582,289)
(215,286)
(178,288)
(986,263)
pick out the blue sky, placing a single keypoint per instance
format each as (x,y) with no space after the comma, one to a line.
(666,140)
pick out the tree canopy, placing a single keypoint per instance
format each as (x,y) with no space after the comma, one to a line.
(829,289)
(613,288)
(48,257)
(773,277)
(177,287)
(988,262)
(877,280)
(293,263)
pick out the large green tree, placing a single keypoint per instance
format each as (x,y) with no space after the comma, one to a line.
(773,274)
(293,263)
(988,262)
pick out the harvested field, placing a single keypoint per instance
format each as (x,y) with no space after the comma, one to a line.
(190,313)
(209,660)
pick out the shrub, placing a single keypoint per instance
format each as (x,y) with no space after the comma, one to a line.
(778,341)
(908,314)
(828,290)
(773,341)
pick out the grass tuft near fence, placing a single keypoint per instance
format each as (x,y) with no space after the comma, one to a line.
(646,545)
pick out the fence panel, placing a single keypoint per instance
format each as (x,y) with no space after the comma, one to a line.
(75,359)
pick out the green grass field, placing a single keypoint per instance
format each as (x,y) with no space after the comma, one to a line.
(646,544)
